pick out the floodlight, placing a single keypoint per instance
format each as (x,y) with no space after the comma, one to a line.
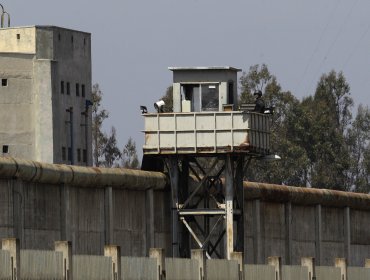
(159,106)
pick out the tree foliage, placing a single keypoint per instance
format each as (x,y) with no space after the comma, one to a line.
(98,116)
(168,100)
(111,152)
(130,158)
(106,151)
(319,144)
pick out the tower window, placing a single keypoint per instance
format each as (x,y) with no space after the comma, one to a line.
(69,153)
(62,87)
(77,89)
(72,39)
(5,149)
(18,36)
(84,155)
(83,90)
(68,88)
(78,155)
(64,153)
(59,37)
(4,82)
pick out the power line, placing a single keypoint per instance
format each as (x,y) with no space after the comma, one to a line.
(356,46)
(318,43)
(335,39)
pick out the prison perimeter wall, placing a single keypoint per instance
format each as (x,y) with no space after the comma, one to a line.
(93,207)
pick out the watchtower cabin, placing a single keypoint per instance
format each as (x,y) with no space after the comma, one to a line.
(206,143)
(205,117)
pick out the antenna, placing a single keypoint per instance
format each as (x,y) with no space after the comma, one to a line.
(3,13)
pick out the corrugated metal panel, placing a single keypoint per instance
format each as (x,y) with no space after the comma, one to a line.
(222,269)
(182,269)
(206,132)
(92,267)
(358,273)
(5,265)
(259,272)
(328,273)
(294,272)
(136,268)
(37,264)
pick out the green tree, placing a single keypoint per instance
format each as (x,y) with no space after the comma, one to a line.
(257,78)
(327,119)
(129,155)
(111,152)
(291,170)
(168,100)
(99,139)
(358,140)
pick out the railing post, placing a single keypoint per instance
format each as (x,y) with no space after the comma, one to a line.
(159,254)
(276,262)
(342,264)
(200,256)
(65,247)
(114,252)
(12,246)
(310,264)
(238,256)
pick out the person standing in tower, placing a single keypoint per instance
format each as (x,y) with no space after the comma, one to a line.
(260,103)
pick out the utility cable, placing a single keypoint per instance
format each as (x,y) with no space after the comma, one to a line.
(318,43)
(335,39)
(357,45)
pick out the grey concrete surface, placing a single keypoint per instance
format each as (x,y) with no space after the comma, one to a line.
(34,61)
(42,207)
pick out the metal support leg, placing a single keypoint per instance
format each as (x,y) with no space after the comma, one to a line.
(240,201)
(174,177)
(229,197)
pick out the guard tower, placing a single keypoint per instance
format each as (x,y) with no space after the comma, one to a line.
(206,145)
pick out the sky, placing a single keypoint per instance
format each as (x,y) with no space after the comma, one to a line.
(135,41)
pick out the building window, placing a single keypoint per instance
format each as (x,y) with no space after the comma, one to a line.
(202,97)
(84,155)
(5,149)
(78,155)
(83,90)
(69,153)
(64,153)
(59,37)
(18,36)
(72,39)
(4,82)
(77,89)
(62,87)
(68,88)
(84,41)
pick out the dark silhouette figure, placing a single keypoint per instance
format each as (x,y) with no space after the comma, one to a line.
(260,104)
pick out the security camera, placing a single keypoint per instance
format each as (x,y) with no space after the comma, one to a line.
(159,106)
(143,109)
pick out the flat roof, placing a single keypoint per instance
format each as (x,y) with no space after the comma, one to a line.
(204,68)
(43,27)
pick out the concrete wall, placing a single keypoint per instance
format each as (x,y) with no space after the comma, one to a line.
(35,60)
(42,203)
(17,128)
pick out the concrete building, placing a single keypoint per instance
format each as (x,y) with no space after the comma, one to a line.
(45,93)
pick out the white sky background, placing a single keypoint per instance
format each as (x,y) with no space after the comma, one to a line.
(133,43)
